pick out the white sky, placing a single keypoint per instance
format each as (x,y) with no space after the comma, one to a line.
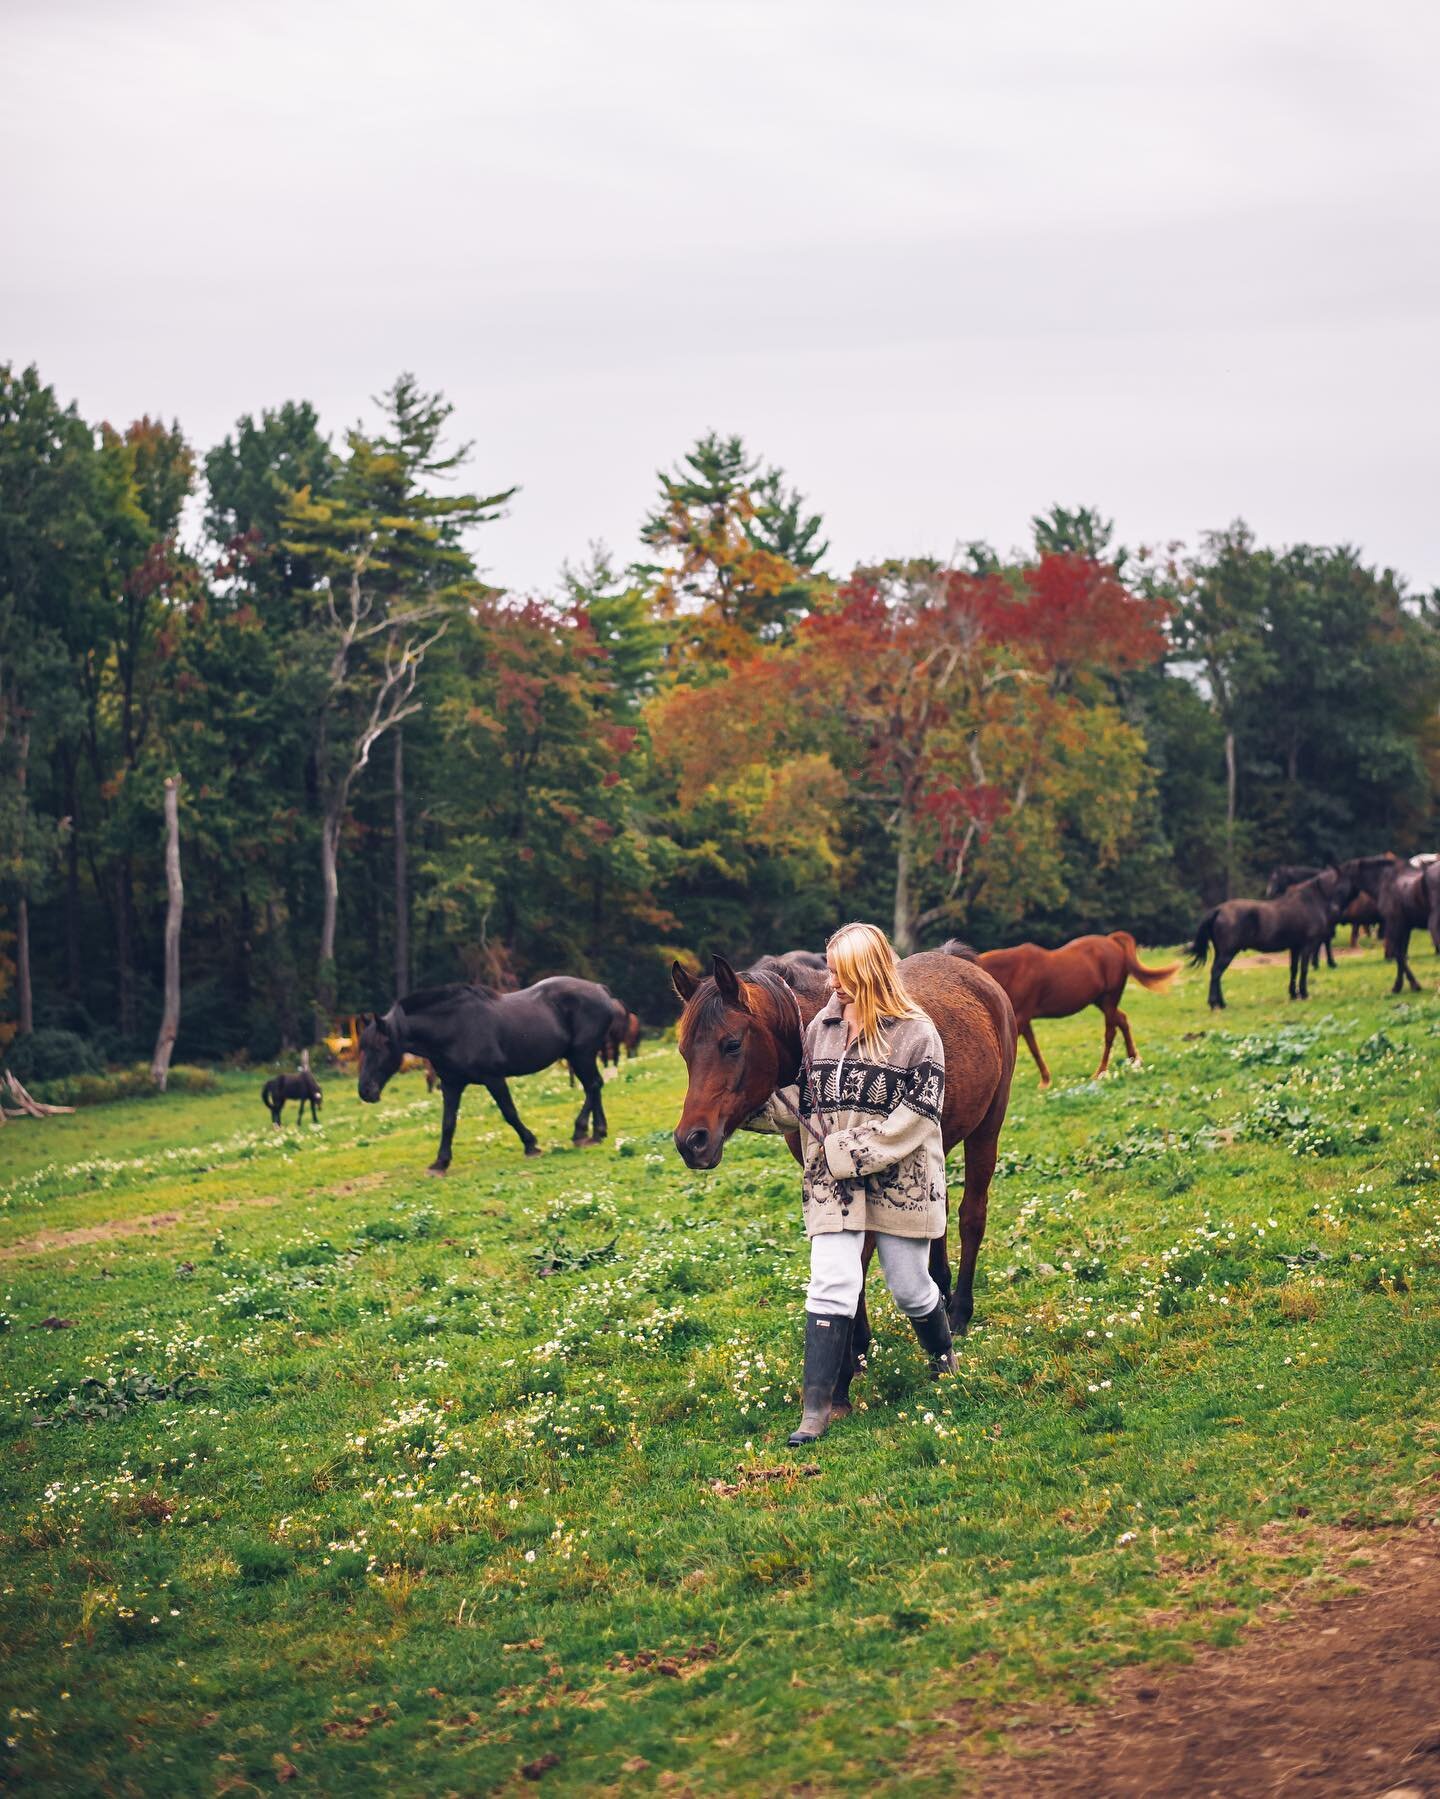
(945,263)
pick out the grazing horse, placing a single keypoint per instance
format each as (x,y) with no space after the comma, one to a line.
(624,1034)
(301,1085)
(740,1036)
(1299,921)
(1056,983)
(473,1034)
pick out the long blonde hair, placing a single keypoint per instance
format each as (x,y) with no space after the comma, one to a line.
(865,964)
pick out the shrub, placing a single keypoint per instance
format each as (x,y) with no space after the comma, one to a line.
(51,1055)
(120,1083)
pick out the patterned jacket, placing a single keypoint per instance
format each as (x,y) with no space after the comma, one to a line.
(882,1164)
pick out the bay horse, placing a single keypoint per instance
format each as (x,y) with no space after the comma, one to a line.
(1298,921)
(624,1034)
(472,1034)
(1057,983)
(301,1085)
(740,1037)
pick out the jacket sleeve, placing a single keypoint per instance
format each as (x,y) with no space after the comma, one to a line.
(779,1115)
(880,1143)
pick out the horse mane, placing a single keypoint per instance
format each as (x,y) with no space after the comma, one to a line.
(707,1005)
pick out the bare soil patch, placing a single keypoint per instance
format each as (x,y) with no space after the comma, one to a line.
(1341,1699)
(151,1225)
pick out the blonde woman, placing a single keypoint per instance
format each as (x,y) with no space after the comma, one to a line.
(868,1103)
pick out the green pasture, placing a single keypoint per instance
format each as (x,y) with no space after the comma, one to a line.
(356,1481)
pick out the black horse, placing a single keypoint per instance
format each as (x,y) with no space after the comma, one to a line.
(1300,920)
(301,1085)
(1291,874)
(1409,900)
(473,1034)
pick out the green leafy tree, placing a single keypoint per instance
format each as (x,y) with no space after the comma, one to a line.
(738,554)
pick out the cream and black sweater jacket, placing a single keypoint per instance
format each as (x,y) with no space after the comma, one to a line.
(882,1164)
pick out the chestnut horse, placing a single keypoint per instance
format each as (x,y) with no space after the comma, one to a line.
(1056,983)
(740,1036)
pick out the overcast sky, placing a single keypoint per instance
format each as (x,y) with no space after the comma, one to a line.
(945,263)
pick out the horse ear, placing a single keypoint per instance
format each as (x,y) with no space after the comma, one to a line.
(726,980)
(683,981)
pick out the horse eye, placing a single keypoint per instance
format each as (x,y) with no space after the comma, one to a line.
(730,1046)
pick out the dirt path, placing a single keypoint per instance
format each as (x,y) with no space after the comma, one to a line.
(151,1225)
(1340,1702)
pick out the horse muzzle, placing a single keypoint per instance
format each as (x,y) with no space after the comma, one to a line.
(369,1092)
(699,1147)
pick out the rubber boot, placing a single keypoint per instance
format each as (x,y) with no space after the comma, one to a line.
(827,1343)
(841,1404)
(933,1330)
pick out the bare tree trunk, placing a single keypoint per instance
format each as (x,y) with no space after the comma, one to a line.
(1229,814)
(330,897)
(903,933)
(402,895)
(24,989)
(170,1017)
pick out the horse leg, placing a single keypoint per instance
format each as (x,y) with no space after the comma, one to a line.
(1294,953)
(1402,962)
(980,1150)
(860,1339)
(593,1083)
(1305,972)
(499,1091)
(940,1265)
(1217,968)
(451,1096)
(1329,952)
(1108,1008)
(1124,1024)
(1028,1034)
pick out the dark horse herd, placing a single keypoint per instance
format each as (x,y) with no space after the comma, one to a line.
(1304,905)
(740,1033)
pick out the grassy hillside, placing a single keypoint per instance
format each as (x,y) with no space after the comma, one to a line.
(360,1481)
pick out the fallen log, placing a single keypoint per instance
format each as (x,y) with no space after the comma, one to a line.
(29,1108)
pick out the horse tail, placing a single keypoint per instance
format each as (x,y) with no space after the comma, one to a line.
(956,946)
(1157,979)
(1204,935)
(267,1093)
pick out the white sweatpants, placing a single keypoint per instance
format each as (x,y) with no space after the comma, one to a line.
(836,1277)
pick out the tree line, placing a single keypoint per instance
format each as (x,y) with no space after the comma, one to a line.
(392,773)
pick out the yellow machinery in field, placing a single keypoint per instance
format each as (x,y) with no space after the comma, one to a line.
(343,1043)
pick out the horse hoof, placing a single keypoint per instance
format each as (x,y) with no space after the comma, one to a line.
(435,1168)
(840,1408)
(533,1149)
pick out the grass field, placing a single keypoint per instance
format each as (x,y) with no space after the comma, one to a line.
(363,1482)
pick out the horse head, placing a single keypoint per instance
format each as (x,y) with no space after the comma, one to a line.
(738,1047)
(381,1051)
